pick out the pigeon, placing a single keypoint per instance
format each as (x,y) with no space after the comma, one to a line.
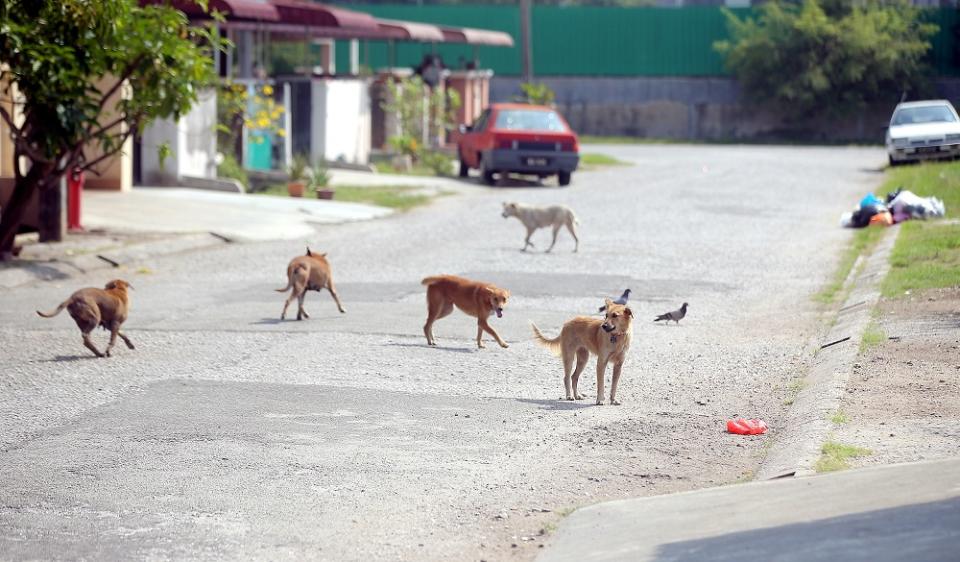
(676,315)
(622,300)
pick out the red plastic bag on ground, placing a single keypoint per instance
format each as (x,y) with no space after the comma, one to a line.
(742,426)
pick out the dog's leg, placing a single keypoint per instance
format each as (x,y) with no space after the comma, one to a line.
(301,312)
(114,330)
(567,369)
(527,243)
(283,314)
(89,344)
(556,229)
(490,330)
(613,384)
(336,298)
(601,367)
(433,312)
(573,232)
(480,334)
(582,357)
(126,340)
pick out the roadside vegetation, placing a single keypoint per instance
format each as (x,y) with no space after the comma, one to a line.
(927,253)
(592,160)
(400,198)
(862,243)
(835,456)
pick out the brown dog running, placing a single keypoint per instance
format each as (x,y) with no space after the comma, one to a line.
(608,339)
(308,273)
(472,297)
(94,307)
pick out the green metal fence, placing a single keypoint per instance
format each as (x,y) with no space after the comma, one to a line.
(595,41)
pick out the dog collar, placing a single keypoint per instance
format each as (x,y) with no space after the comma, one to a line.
(613,337)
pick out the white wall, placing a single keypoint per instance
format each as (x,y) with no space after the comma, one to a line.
(340,128)
(192,141)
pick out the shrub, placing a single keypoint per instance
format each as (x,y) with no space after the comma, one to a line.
(230,168)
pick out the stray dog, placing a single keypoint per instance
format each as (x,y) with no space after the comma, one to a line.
(608,339)
(539,217)
(94,307)
(308,273)
(472,297)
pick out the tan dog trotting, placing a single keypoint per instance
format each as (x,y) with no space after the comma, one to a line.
(94,307)
(533,218)
(608,339)
(472,297)
(308,273)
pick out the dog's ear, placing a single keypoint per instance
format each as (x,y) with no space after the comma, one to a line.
(628,312)
(309,253)
(608,302)
(111,285)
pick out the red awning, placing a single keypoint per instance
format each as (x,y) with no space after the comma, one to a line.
(259,10)
(474,36)
(412,31)
(299,12)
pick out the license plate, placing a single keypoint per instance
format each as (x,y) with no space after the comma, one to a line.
(537,161)
(927,149)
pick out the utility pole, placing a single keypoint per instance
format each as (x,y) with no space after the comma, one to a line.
(525,42)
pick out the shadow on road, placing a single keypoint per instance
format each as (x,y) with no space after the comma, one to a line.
(68,358)
(437,347)
(559,404)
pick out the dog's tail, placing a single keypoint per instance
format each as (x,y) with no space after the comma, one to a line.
(55,312)
(298,267)
(553,345)
(431,280)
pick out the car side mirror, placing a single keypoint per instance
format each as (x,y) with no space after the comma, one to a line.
(464,128)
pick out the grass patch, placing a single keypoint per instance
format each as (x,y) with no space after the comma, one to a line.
(417,170)
(927,253)
(593,159)
(834,456)
(862,243)
(873,335)
(793,389)
(839,417)
(401,198)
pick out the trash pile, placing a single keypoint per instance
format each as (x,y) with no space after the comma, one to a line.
(901,205)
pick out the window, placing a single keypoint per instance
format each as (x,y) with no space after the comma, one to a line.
(924,114)
(529,120)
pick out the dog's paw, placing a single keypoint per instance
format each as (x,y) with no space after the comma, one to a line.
(599,402)
(567,398)
(504,345)
(580,397)
(614,402)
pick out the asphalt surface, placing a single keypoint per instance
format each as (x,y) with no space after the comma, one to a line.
(230,434)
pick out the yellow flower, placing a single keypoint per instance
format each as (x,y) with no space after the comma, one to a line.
(263,122)
(281,133)
(268,90)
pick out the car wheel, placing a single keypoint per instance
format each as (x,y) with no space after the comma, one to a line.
(464,168)
(563,178)
(486,174)
(893,162)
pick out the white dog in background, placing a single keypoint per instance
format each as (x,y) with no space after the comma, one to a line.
(533,218)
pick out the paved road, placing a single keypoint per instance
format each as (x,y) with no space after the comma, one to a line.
(228,434)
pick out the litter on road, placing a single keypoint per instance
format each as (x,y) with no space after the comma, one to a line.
(900,205)
(743,426)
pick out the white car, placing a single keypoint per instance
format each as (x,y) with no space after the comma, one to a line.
(921,130)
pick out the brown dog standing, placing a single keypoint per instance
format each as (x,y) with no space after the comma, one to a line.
(308,273)
(94,307)
(608,339)
(472,297)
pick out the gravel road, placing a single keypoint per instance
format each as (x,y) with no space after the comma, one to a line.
(230,435)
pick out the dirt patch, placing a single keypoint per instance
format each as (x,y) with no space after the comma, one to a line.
(903,398)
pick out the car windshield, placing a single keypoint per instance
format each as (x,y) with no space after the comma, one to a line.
(529,120)
(924,114)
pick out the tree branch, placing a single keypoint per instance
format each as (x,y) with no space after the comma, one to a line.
(122,139)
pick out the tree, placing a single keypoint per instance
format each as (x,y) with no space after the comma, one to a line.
(77,75)
(828,56)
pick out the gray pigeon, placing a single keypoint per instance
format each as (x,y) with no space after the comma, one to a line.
(676,315)
(621,300)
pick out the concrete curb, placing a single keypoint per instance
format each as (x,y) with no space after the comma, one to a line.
(796,450)
(22,273)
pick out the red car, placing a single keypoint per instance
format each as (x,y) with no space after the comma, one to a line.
(519,138)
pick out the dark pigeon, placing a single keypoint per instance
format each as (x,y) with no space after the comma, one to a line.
(622,300)
(676,315)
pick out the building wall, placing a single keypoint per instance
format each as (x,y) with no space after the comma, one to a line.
(340,121)
(697,109)
(192,141)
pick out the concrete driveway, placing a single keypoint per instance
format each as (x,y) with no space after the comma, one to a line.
(228,434)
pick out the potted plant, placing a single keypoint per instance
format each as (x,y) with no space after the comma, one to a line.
(319,182)
(298,173)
